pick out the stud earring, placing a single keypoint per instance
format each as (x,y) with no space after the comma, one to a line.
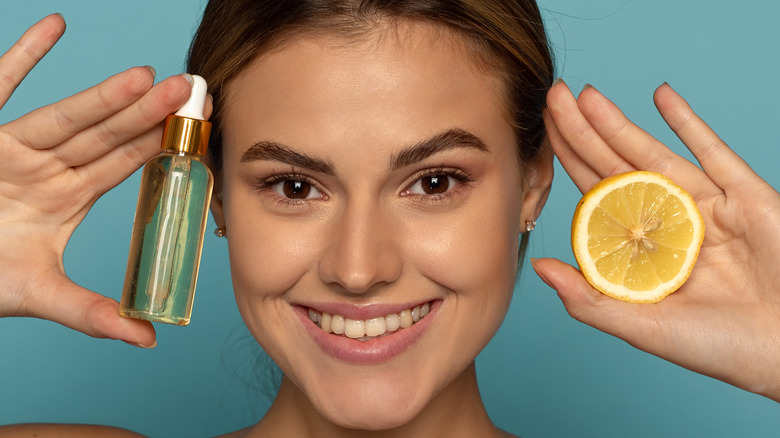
(220,232)
(219,196)
(529,226)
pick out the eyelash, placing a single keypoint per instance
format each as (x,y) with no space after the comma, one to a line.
(462,178)
(267,183)
(458,175)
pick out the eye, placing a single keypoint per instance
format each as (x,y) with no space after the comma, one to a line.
(437,183)
(432,185)
(297,189)
(290,187)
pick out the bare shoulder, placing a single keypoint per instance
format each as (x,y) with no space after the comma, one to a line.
(45,430)
(237,434)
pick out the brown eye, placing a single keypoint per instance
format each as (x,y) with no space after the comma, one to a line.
(435,184)
(296,189)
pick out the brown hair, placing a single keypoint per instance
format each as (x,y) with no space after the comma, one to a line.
(509,35)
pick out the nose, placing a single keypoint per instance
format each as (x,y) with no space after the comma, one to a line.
(362,252)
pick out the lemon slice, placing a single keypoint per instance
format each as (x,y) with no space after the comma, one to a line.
(636,236)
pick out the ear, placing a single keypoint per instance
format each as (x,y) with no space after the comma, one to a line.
(539,176)
(216,193)
(216,206)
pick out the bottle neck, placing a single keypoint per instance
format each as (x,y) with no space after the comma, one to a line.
(185,135)
(173,152)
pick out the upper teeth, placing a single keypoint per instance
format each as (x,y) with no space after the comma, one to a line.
(361,328)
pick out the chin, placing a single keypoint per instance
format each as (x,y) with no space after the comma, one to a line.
(371,405)
(378,416)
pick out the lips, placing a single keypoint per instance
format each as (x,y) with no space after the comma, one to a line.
(371,339)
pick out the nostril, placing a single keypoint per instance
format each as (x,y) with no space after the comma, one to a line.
(362,276)
(363,248)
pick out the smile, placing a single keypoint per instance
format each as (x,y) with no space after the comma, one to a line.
(369,335)
(367,329)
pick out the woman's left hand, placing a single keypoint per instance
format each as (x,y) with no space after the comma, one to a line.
(724,322)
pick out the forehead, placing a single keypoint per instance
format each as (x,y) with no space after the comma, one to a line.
(392,82)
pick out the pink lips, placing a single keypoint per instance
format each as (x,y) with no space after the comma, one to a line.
(369,352)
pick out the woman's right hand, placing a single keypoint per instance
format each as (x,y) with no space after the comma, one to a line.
(55,162)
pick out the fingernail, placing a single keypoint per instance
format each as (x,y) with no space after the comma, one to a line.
(139,345)
(60,14)
(151,69)
(557,81)
(188,77)
(586,86)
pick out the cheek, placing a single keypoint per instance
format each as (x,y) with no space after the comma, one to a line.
(472,251)
(468,257)
(268,254)
(474,255)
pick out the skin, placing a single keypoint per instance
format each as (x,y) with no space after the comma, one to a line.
(57,160)
(369,235)
(723,323)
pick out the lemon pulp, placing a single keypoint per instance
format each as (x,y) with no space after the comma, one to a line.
(641,236)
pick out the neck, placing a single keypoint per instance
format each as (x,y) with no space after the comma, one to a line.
(455,412)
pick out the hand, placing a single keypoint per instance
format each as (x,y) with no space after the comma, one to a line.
(56,162)
(725,320)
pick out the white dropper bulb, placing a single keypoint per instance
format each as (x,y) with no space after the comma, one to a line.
(193,109)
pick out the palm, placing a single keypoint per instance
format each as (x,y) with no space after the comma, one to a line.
(57,161)
(724,320)
(36,181)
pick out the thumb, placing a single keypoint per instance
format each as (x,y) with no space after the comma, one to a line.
(586,304)
(575,292)
(62,301)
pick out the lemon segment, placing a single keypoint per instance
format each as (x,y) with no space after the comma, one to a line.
(636,236)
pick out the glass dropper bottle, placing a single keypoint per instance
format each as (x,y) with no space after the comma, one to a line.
(170,219)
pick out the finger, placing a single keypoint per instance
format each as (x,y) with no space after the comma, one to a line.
(53,124)
(138,118)
(637,147)
(722,165)
(578,133)
(120,163)
(581,174)
(85,311)
(573,289)
(26,52)
(587,305)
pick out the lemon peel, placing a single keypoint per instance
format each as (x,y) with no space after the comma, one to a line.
(636,236)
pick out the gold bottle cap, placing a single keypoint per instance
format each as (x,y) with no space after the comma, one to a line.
(186,135)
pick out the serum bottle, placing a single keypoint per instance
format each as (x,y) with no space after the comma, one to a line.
(170,220)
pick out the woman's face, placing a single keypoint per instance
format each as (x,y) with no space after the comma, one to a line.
(363,180)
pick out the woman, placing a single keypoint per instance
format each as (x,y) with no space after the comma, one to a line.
(440,158)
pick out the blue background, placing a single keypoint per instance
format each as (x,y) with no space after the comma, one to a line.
(544,374)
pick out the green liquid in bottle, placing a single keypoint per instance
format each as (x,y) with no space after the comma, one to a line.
(167,239)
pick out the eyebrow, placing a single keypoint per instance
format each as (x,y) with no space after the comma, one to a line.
(448,140)
(273,151)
